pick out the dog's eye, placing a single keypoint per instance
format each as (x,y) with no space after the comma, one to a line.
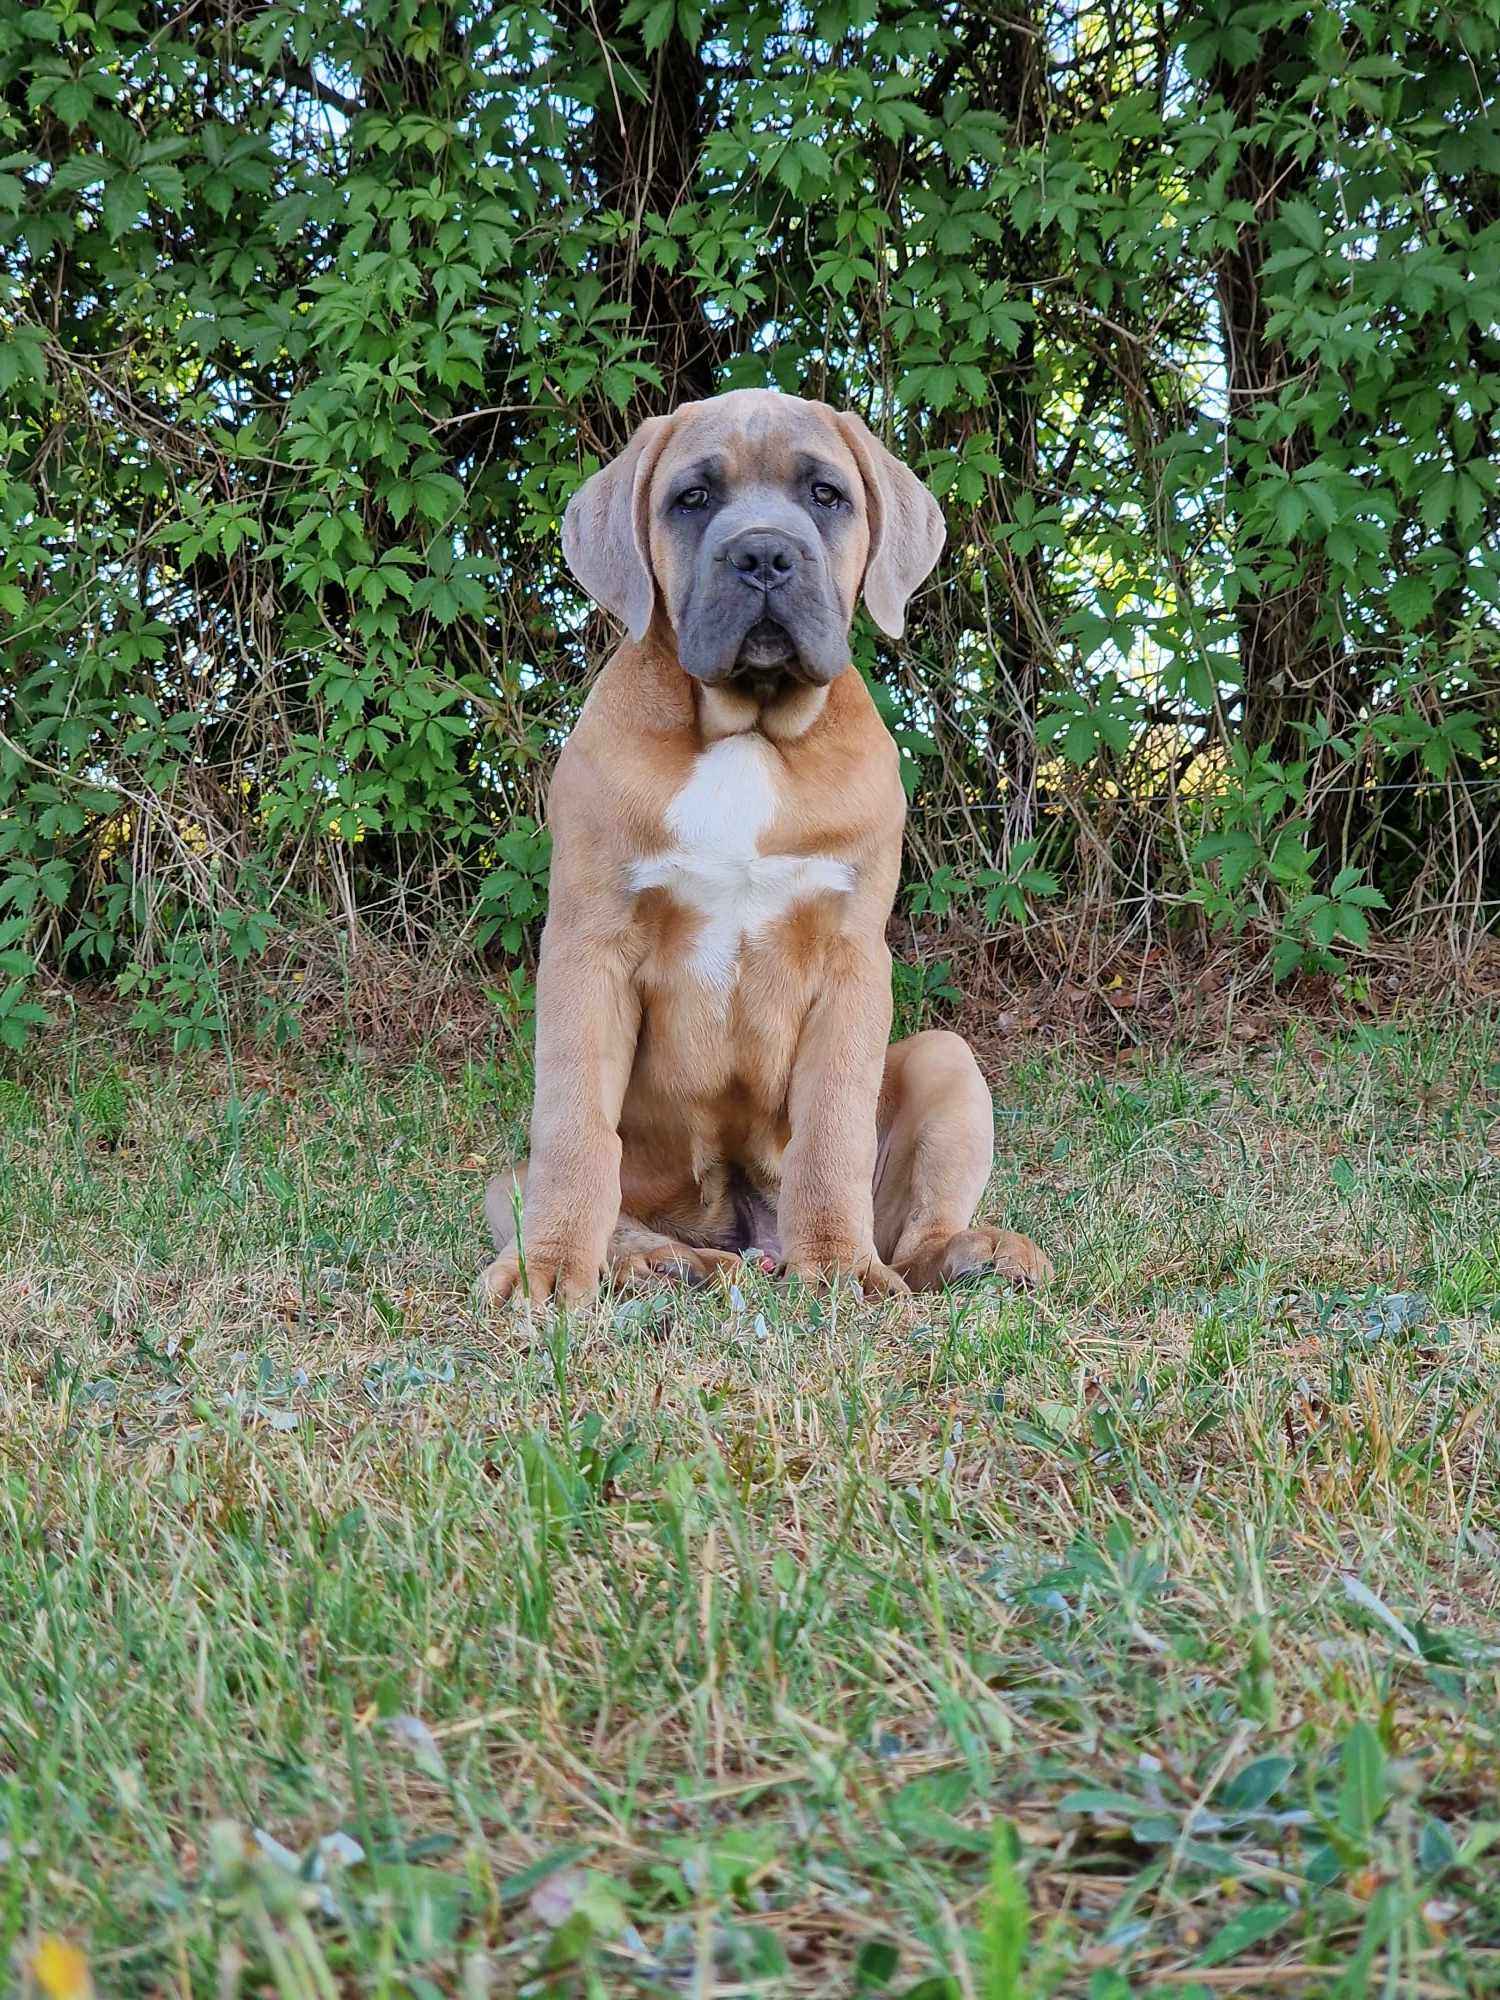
(826,495)
(694,499)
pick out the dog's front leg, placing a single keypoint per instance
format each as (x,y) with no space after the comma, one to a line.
(826,1213)
(587,1022)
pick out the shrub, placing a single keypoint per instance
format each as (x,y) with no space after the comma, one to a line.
(315,315)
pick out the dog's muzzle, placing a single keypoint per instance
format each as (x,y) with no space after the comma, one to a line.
(765,563)
(764,613)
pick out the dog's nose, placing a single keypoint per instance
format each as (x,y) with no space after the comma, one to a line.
(762,557)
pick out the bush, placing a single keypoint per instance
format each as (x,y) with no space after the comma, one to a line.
(315,315)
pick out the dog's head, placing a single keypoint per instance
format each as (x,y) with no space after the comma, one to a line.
(751,522)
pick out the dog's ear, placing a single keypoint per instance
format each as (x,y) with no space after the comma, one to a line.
(606,530)
(906,526)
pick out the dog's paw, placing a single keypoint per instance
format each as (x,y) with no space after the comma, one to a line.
(875,1280)
(978,1252)
(681,1263)
(879,1281)
(538,1278)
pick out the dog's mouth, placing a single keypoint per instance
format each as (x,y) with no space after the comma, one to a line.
(767,652)
(764,657)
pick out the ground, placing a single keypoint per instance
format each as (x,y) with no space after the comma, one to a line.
(1141,1637)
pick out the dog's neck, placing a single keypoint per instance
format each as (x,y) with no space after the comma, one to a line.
(783,715)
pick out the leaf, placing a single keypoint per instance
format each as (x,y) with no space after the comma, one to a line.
(876,1964)
(1107,1984)
(414,1733)
(1361,1594)
(514,1888)
(1305,224)
(1098,1800)
(1061,1420)
(1250,1927)
(1291,512)
(1362,1790)
(433,1902)
(922,1813)
(1452,1645)
(1353,924)
(73,102)
(1006,1918)
(62,1970)
(1248,1790)
(1410,600)
(940,386)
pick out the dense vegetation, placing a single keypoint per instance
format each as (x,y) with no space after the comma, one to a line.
(314,315)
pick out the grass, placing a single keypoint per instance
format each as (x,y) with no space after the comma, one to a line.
(1141,1638)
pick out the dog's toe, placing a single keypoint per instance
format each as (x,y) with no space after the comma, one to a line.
(976,1254)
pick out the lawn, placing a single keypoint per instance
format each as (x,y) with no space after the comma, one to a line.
(1140,1637)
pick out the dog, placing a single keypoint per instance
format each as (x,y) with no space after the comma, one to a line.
(713,1009)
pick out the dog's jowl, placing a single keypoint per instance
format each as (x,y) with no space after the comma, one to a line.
(714,1002)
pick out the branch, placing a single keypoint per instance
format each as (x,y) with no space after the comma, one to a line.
(301,78)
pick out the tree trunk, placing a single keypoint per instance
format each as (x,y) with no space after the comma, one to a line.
(645,159)
(1287,663)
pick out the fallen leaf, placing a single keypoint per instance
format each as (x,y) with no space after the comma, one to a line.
(340,1849)
(412,1731)
(554,1899)
(61,1970)
(276,1850)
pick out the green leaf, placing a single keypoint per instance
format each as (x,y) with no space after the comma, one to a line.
(1097,1799)
(1250,1927)
(73,103)
(1250,1789)
(1006,1919)
(875,1966)
(658,24)
(1362,1787)
(1291,512)
(1410,601)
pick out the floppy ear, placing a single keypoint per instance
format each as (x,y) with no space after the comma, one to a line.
(606,531)
(906,526)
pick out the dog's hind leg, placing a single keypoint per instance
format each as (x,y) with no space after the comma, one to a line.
(635,1251)
(936,1148)
(638,1252)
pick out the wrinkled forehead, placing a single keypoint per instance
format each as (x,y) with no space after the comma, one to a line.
(754,439)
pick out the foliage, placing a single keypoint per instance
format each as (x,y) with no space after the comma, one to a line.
(313,316)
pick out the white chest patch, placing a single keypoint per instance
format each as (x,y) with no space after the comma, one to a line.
(716,866)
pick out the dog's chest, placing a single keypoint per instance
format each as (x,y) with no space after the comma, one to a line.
(715,865)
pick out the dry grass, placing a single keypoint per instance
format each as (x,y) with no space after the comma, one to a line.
(715,1645)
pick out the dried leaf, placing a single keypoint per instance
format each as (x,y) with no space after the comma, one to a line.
(419,1739)
(61,1970)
